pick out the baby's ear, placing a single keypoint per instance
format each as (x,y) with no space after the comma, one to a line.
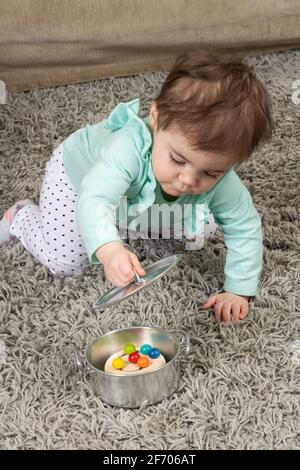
(153,115)
(154,105)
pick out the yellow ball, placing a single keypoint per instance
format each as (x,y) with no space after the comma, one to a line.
(118,363)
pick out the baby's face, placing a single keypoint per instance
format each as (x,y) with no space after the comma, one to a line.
(181,170)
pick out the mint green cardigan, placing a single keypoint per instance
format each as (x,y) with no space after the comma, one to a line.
(113,158)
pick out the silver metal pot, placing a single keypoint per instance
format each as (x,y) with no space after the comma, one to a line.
(134,391)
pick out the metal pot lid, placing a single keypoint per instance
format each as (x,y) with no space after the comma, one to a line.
(153,273)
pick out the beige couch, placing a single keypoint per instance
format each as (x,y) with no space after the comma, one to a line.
(44,43)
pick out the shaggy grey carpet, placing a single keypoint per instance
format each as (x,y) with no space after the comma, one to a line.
(240,388)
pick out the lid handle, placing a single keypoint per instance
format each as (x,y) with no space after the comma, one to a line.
(137,279)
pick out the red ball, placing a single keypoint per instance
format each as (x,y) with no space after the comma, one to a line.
(133,357)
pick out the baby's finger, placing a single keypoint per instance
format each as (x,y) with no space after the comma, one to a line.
(235,310)
(218,311)
(210,302)
(226,312)
(136,264)
(118,277)
(125,269)
(244,311)
(125,279)
(113,277)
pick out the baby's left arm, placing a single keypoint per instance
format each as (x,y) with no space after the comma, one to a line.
(233,210)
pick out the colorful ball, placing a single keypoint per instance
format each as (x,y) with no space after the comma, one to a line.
(129,348)
(118,363)
(154,353)
(133,357)
(145,349)
(143,361)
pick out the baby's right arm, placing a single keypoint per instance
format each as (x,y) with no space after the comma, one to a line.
(118,263)
(105,250)
(108,179)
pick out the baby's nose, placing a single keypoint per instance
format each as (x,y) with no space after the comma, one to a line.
(188,179)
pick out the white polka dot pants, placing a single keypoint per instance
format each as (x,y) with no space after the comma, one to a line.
(49,231)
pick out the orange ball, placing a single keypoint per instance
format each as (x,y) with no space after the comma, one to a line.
(143,361)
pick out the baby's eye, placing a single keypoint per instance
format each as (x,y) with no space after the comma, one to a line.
(210,176)
(176,161)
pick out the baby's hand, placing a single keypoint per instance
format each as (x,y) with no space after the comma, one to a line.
(228,306)
(118,266)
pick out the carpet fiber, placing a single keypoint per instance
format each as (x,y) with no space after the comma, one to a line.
(240,385)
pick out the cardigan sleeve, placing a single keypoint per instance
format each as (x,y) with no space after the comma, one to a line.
(233,210)
(98,199)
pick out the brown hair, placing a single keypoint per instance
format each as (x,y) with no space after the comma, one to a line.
(217,104)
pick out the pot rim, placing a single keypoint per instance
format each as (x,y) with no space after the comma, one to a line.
(132,374)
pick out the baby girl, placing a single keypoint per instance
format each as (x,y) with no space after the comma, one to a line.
(209,117)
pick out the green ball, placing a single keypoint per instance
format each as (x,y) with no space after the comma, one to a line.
(129,348)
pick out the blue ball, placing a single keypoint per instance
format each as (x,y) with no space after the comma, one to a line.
(145,349)
(154,353)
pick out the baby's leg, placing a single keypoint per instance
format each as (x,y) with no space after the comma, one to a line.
(49,231)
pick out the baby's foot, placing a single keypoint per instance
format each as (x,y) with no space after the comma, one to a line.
(7,219)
